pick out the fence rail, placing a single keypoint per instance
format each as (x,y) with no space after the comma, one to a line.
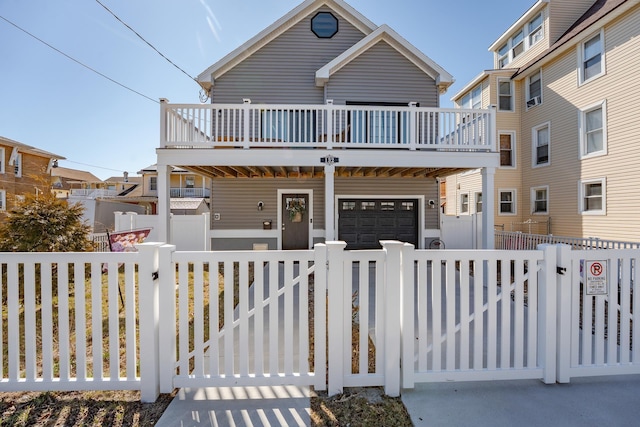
(326,126)
(524,241)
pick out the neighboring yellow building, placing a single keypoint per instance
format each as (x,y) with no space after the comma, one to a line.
(565,88)
(184,185)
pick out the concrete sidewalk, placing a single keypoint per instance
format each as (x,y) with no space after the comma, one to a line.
(239,406)
(592,401)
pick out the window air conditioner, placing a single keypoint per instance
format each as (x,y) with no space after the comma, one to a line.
(534,101)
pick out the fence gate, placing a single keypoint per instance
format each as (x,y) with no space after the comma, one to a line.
(598,327)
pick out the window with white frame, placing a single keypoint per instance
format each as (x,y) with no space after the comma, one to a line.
(593,130)
(535,29)
(505,95)
(17,170)
(478,198)
(523,39)
(190,181)
(464,203)
(473,99)
(540,200)
(507,202)
(507,149)
(593,199)
(534,89)
(540,136)
(153,183)
(591,58)
(3,200)
(2,159)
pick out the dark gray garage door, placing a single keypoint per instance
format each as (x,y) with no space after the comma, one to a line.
(362,223)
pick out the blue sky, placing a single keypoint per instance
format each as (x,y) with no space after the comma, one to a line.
(51,102)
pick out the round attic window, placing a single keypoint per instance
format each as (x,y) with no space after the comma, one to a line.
(324,25)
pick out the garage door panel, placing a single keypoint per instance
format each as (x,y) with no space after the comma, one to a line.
(362,223)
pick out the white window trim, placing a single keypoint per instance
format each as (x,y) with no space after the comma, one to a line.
(533,200)
(513,148)
(468,211)
(2,160)
(477,195)
(3,200)
(603,68)
(581,194)
(18,166)
(526,41)
(534,145)
(515,201)
(528,97)
(513,96)
(582,130)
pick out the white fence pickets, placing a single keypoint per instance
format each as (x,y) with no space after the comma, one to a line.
(445,315)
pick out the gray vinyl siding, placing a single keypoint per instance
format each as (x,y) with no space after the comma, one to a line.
(360,186)
(236,200)
(382,74)
(283,71)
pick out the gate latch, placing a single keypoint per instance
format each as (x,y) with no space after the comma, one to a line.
(561,270)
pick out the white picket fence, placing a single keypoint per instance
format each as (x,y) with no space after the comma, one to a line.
(447,315)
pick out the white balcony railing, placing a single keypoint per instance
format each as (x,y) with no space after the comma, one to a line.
(326,126)
(92,193)
(188,192)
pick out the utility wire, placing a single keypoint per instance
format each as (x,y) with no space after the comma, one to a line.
(149,44)
(78,62)
(92,166)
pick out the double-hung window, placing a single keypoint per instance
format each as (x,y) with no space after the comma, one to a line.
(2,159)
(153,183)
(478,197)
(473,99)
(3,200)
(505,95)
(464,203)
(517,44)
(18,166)
(507,149)
(591,58)
(593,197)
(534,89)
(540,200)
(593,130)
(522,39)
(534,28)
(541,145)
(507,202)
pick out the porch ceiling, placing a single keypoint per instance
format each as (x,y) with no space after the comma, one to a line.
(317,172)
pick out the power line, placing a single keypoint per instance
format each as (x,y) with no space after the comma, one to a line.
(78,62)
(144,40)
(92,166)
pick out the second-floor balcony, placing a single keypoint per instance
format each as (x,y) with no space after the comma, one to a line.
(327,127)
(181,192)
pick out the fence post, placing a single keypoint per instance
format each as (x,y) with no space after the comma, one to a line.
(392,315)
(547,314)
(320,314)
(336,321)
(407,325)
(167,322)
(564,284)
(148,319)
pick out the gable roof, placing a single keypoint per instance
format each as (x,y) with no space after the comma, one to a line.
(24,148)
(208,76)
(385,33)
(74,174)
(598,13)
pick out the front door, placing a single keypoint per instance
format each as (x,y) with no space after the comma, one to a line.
(295,221)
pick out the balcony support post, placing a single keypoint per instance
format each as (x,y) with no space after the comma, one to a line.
(329,202)
(413,128)
(246,107)
(488,235)
(164,203)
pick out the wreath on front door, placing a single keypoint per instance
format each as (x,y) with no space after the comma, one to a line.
(296,207)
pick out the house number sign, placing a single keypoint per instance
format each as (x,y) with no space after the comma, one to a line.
(596,275)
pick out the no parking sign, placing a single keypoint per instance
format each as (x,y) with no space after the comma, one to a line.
(596,277)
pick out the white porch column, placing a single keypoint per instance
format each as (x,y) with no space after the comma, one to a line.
(164,203)
(488,235)
(329,203)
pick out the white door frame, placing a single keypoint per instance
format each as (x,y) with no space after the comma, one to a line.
(309,193)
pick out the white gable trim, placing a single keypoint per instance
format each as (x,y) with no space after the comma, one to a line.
(385,33)
(208,76)
(533,10)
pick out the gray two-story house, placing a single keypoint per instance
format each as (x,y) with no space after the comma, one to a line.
(324,126)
